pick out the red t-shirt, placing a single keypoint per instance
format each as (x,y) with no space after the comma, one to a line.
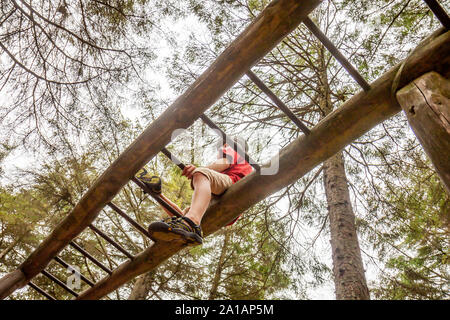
(239,167)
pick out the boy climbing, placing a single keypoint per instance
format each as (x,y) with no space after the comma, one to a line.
(215,178)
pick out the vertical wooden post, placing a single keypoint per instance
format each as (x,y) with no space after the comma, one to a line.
(426,103)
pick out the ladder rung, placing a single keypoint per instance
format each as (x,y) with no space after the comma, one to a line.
(277,101)
(174,159)
(41,291)
(66,265)
(336,53)
(236,146)
(111,241)
(155,196)
(59,282)
(89,256)
(439,12)
(128,218)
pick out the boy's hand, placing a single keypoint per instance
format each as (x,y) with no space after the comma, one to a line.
(188,170)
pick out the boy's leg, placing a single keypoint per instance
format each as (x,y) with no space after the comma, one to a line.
(187,227)
(200,198)
(205,182)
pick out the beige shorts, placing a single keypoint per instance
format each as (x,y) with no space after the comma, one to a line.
(219,181)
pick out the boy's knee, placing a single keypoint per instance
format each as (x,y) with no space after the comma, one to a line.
(199,177)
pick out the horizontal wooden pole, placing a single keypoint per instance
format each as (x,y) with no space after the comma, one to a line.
(277,101)
(336,54)
(130,220)
(12,281)
(439,12)
(347,123)
(111,241)
(276,21)
(229,140)
(67,266)
(87,255)
(59,282)
(41,291)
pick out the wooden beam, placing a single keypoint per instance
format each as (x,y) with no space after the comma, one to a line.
(276,21)
(439,12)
(41,291)
(59,282)
(280,104)
(336,54)
(12,281)
(426,103)
(347,123)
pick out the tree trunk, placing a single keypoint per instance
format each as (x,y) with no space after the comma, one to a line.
(142,287)
(349,278)
(426,103)
(219,269)
(348,270)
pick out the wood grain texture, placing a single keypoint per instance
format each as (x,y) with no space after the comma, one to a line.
(12,281)
(426,103)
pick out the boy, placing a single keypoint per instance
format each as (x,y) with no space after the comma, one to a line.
(215,179)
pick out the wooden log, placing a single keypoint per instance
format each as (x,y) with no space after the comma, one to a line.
(336,54)
(426,103)
(12,281)
(276,21)
(41,291)
(277,101)
(354,118)
(439,12)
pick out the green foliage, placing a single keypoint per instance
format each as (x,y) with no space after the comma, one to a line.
(387,25)
(419,220)
(407,214)
(244,261)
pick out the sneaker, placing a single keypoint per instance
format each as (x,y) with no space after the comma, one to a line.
(174,228)
(153,182)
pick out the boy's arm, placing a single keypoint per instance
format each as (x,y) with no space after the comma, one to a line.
(219,165)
